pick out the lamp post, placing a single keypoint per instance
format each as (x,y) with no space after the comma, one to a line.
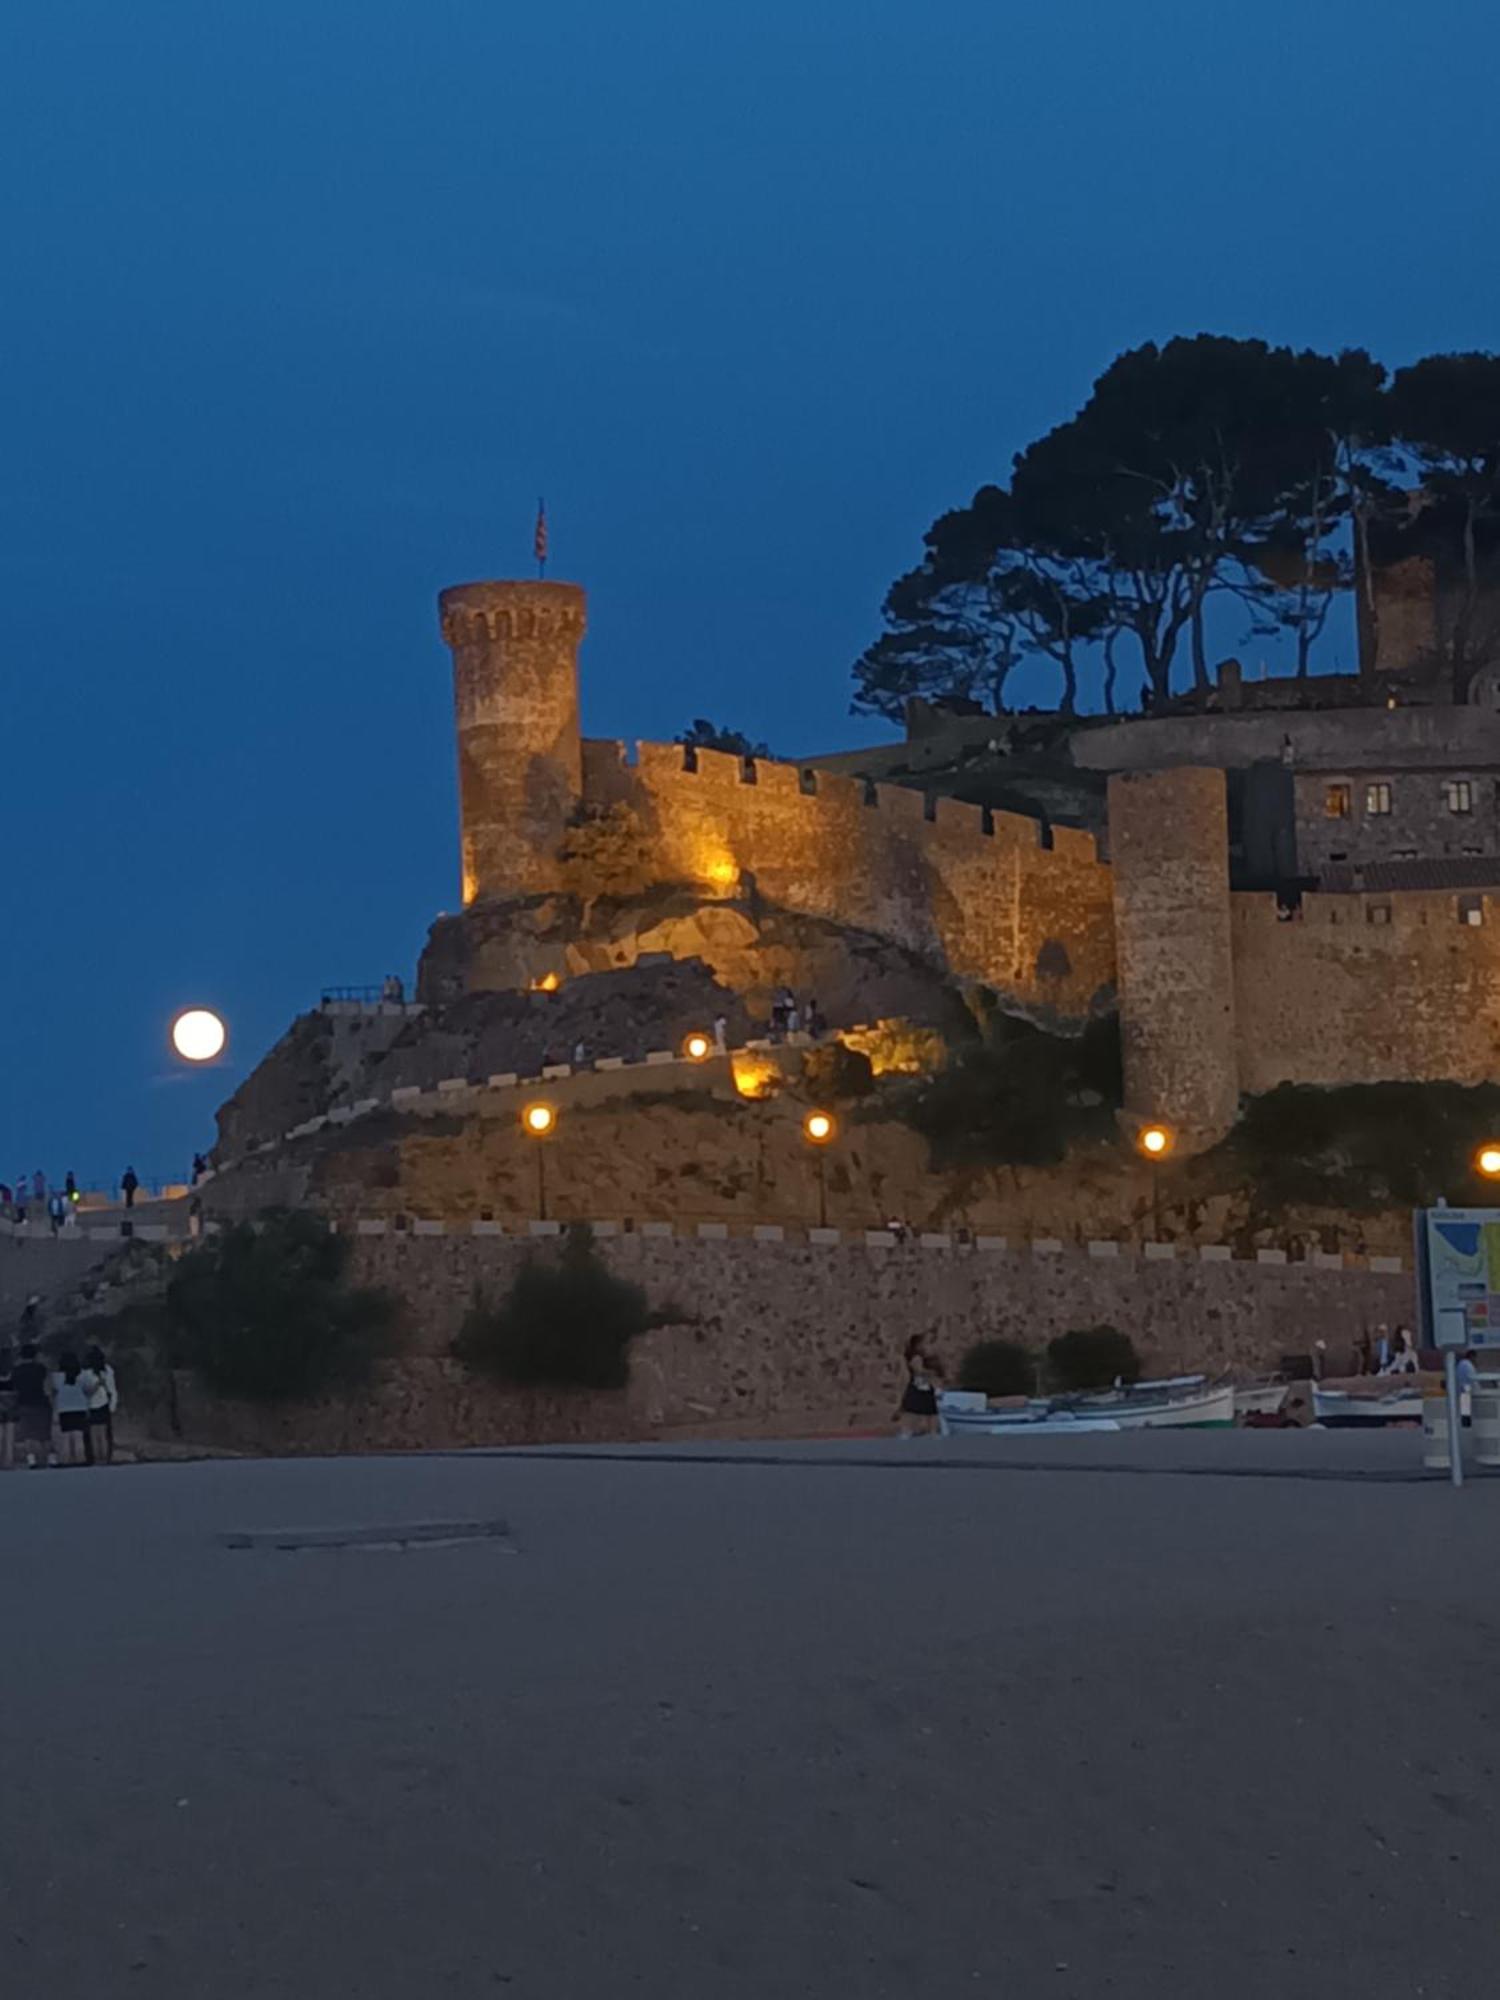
(1153,1142)
(819,1128)
(539,1123)
(697,1047)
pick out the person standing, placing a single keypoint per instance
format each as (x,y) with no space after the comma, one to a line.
(1382,1350)
(57,1211)
(1405,1361)
(815,1021)
(70,1389)
(918,1413)
(70,1186)
(128,1185)
(721,1032)
(104,1400)
(39,1186)
(7,1409)
(33,1407)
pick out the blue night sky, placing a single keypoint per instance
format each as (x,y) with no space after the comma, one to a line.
(306,303)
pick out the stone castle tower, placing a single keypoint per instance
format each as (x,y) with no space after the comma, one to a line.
(515,701)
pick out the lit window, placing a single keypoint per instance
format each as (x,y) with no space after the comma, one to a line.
(1336,802)
(1458,795)
(1471,909)
(1377,799)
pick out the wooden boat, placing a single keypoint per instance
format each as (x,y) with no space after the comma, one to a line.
(1035,1420)
(1352,1409)
(1181,1402)
(1259,1399)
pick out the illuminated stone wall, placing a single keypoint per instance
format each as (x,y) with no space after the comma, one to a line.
(974,891)
(1367,989)
(515,701)
(1169,842)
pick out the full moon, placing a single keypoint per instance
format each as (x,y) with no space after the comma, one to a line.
(198,1035)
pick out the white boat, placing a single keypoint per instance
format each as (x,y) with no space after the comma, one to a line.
(1259,1399)
(1036,1420)
(1184,1401)
(1346,1409)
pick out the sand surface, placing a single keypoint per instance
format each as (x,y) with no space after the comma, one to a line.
(1206,1715)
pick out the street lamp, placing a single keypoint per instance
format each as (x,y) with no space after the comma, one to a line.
(697,1047)
(539,1122)
(1154,1142)
(819,1128)
(1487,1160)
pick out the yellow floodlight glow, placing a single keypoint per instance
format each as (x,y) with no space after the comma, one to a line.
(819,1127)
(698,1047)
(1487,1159)
(1155,1141)
(539,1121)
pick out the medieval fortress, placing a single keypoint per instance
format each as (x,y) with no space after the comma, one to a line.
(1283,881)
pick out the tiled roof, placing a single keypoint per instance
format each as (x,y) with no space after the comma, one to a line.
(1454,871)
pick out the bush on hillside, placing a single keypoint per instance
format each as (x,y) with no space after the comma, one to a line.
(567,1324)
(265,1311)
(1022,1096)
(1092,1357)
(832,1071)
(998,1368)
(1366,1147)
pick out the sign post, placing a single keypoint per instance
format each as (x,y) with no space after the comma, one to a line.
(1458,1292)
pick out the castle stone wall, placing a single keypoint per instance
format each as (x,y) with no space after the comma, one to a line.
(782,1338)
(1169,841)
(975,891)
(515,700)
(1367,989)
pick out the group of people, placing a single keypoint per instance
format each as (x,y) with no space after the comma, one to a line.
(56,1414)
(1387,1354)
(790,1017)
(30,1191)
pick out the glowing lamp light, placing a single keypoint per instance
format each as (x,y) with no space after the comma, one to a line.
(697,1047)
(1487,1159)
(198,1035)
(1154,1141)
(818,1126)
(538,1120)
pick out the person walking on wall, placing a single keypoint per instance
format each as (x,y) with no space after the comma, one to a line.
(71,1389)
(33,1407)
(917,1416)
(128,1185)
(104,1400)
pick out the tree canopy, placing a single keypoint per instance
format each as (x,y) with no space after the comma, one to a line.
(1207,469)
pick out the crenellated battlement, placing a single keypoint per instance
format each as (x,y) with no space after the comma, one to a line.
(987,894)
(473,614)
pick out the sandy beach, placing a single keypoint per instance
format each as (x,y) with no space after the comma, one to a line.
(1128,1716)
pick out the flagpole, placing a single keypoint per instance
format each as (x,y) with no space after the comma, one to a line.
(539,539)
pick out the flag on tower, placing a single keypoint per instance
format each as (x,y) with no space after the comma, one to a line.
(539,541)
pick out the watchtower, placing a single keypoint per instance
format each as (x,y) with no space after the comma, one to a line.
(515,706)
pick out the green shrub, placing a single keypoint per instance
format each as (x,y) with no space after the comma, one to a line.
(265,1311)
(1021,1097)
(998,1368)
(1366,1147)
(831,1071)
(1092,1357)
(564,1325)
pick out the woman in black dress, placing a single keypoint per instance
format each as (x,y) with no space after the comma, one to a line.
(918,1413)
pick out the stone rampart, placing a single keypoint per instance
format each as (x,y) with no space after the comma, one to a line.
(780,1338)
(1367,989)
(987,894)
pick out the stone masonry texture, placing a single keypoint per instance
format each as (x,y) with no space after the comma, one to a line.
(787,1337)
(515,699)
